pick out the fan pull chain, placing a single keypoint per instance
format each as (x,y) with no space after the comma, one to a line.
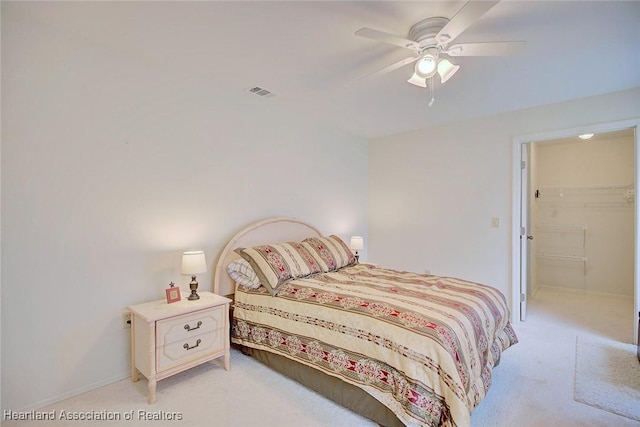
(431,92)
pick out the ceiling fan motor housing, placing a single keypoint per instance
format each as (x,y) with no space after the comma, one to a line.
(425,31)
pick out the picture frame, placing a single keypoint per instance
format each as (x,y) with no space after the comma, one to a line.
(173,294)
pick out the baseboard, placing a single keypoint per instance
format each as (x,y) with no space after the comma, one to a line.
(74,392)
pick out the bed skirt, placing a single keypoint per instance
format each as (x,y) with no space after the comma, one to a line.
(344,394)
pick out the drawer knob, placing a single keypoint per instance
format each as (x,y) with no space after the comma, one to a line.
(186,346)
(189,328)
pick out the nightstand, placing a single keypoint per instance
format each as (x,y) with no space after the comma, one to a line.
(170,338)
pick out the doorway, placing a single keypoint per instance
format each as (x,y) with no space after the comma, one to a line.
(523,226)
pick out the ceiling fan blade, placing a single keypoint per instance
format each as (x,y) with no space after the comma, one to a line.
(470,12)
(392,67)
(381,36)
(485,49)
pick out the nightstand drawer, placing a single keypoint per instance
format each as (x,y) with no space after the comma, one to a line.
(178,352)
(188,326)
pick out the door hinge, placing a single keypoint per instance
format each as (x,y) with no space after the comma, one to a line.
(523,297)
(523,164)
(522,231)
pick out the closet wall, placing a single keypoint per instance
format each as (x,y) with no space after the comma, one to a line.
(583,213)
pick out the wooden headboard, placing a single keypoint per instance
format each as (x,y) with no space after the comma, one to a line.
(270,230)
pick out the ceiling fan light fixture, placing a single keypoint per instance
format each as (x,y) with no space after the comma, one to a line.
(446,70)
(426,66)
(417,80)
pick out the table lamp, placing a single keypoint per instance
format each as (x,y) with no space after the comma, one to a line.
(356,243)
(193,263)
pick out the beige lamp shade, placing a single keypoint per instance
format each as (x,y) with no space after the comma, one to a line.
(446,70)
(417,80)
(357,242)
(193,262)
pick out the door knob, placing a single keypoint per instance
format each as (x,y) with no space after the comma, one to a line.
(530,237)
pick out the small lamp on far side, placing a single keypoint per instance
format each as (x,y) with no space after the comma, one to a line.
(357,242)
(193,263)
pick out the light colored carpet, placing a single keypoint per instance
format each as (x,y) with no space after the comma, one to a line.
(532,387)
(608,376)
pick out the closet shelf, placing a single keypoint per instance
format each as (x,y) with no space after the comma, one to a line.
(567,257)
(582,259)
(585,188)
(602,193)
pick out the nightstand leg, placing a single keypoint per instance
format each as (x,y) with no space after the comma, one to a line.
(227,345)
(134,371)
(152,362)
(152,390)
(227,360)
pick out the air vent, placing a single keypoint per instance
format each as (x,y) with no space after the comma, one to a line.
(261,92)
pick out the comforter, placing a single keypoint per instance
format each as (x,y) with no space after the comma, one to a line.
(423,345)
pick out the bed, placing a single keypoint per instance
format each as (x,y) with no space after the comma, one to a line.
(397,347)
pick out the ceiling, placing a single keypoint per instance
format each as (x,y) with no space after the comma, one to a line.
(306,53)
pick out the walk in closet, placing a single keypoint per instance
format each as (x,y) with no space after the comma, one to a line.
(582,212)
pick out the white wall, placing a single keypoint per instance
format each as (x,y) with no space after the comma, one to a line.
(433,192)
(110,169)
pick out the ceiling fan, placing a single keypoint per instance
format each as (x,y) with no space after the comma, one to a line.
(430,39)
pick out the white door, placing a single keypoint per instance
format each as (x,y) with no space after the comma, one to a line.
(525,235)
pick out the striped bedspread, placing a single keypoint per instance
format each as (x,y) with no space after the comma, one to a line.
(422,345)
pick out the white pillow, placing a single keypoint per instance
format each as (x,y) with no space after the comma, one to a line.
(243,274)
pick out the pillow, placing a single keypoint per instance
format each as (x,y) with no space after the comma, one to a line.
(243,274)
(331,253)
(275,264)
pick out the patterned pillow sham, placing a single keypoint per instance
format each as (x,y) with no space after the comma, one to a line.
(240,270)
(276,263)
(331,252)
